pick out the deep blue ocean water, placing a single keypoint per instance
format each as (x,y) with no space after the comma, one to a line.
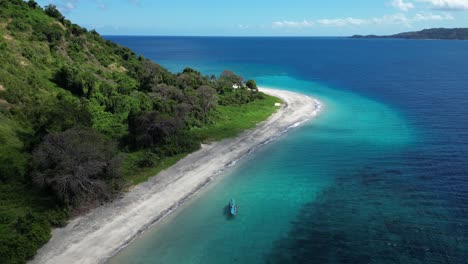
(380,176)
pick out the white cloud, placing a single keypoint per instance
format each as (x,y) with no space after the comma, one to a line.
(70,5)
(293,24)
(65,6)
(340,22)
(448,5)
(402,19)
(101,5)
(429,16)
(402,5)
(395,19)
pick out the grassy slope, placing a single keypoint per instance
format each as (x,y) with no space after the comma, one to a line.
(26,70)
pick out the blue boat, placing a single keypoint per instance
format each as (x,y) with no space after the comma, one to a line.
(233,207)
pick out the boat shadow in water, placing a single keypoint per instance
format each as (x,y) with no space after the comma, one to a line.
(227,213)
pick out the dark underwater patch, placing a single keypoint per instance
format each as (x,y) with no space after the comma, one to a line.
(374,216)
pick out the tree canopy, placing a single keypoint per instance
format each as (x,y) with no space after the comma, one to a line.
(78,165)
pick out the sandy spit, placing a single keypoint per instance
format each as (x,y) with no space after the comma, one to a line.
(95,237)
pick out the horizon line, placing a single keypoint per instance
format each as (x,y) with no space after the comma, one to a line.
(224,36)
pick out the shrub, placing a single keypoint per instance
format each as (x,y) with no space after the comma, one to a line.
(13,165)
(147,160)
(18,25)
(58,115)
(35,227)
(180,143)
(75,81)
(47,32)
(57,217)
(27,235)
(77,30)
(77,170)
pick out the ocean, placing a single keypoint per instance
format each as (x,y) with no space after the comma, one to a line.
(380,176)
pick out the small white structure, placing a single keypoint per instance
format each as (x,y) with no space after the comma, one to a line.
(278,104)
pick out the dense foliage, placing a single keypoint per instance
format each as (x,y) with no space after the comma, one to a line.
(79,166)
(80,115)
(432,33)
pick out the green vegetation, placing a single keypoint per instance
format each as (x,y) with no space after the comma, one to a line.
(82,118)
(432,33)
(235,119)
(139,166)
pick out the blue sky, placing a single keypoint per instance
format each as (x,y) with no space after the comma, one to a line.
(262,17)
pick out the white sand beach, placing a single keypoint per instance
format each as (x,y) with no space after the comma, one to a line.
(95,237)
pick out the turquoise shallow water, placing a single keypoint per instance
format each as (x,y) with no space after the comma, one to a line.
(273,184)
(380,176)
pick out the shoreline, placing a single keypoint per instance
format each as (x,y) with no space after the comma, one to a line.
(100,234)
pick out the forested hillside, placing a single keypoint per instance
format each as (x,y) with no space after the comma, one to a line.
(431,33)
(82,118)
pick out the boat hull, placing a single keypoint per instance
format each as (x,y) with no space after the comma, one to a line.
(233,207)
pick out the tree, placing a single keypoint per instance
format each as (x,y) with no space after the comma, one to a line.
(230,78)
(251,84)
(190,79)
(52,11)
(78,166)
(152,74)
(77,82)
(208,98)
(77,30)
(52,33)
(166,92)
(191,71)
(182,110)
(59,115)
(32,4)
(166,97)
(152,129)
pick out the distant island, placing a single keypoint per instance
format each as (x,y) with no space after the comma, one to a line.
(432,33)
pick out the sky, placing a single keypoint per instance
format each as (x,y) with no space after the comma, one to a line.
(262,17)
